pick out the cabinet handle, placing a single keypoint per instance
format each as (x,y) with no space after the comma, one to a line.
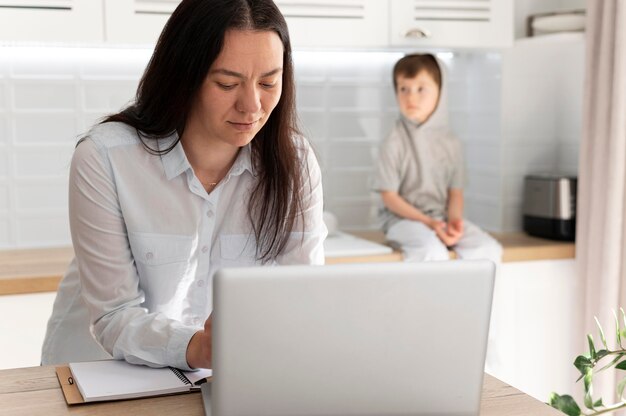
(417,33)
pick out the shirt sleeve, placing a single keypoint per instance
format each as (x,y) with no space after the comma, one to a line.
(108,276)
(388,173)
(306,246)
(457,180)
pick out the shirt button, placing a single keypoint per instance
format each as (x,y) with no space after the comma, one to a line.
(209,214)
(149,255)
(200,283)
(205,249)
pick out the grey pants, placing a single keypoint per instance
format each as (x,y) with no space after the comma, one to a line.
(419,243)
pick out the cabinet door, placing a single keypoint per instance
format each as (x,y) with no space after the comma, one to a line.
(336,23)
(51,20)
(452,23)
(136,21)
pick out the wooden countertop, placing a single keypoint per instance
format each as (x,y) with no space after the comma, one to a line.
(40,270)
(35,391)
(516,247)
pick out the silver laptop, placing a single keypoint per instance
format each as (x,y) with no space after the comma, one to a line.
(363,339)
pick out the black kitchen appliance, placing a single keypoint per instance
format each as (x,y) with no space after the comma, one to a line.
(550,206)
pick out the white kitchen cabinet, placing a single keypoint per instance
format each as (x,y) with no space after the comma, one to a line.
(51,20)
(23,321)
(136,21)
(336,23)
(534,333)
(312,23)
(451,23)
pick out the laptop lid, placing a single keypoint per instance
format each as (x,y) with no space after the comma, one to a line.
(360,339)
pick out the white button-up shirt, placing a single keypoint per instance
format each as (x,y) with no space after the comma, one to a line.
(148,239)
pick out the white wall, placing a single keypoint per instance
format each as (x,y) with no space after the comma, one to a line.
(541,114)
(51,95)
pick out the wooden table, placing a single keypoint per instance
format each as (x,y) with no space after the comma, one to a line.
(35,391)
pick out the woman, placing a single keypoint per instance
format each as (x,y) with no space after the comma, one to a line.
(205,170)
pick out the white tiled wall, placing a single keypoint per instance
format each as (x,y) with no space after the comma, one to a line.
(49,96)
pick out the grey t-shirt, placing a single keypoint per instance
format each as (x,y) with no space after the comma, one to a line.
(420,163)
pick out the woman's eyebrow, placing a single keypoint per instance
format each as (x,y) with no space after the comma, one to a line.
(238,75)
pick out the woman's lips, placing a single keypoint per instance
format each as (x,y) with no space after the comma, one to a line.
(243,126)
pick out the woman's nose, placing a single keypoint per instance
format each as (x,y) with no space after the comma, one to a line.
(249,100)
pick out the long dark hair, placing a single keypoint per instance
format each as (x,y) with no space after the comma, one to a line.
(189,44)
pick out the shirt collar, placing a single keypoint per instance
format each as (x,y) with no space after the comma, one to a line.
(243,162)
(175,161)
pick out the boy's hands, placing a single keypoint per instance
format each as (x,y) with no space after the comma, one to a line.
(449,233)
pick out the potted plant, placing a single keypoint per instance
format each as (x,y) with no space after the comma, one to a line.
(589,365)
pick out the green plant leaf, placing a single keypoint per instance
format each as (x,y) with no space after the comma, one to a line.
(602,337)
(623,316)
(587,379)
(588,400)
(621,365)
(565,404)
(601,354)
(598,403)
(582,363)
(592,348)
(617,330)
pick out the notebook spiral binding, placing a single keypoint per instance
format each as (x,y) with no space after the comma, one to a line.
(180,375)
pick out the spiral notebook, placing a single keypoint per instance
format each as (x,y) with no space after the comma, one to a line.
(117,380)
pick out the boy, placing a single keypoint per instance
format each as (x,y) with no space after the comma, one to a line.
(420,172)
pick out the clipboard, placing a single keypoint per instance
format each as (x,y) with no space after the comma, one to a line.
(68,386)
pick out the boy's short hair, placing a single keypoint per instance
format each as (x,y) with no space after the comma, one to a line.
(410,65)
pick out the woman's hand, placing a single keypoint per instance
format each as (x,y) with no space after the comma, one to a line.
(200,348)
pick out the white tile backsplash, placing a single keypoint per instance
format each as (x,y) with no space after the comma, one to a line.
(311,96)
(363,97)
(4,131)
(314,124)
(31,230)
(483,211)
(483,154)
(44,95)
(4,161)
(355,125)
(502,108)
(45,128)
(482,183)
(4,198)
(348,184)
(42,161)
(5,239)
(108,96)
(41,196)
(353,214)
(351,154)
(3,97)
